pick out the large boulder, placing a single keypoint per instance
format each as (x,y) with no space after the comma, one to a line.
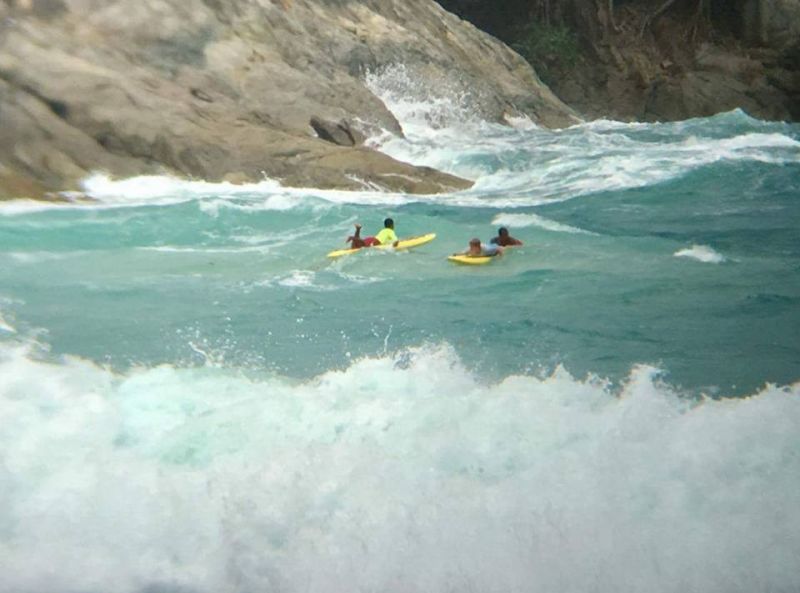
(228,89)
(721,81)
(772,23)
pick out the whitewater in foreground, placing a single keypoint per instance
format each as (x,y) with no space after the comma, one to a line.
(193,398)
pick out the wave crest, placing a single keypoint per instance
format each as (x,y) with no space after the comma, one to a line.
(701,253)
(214,480)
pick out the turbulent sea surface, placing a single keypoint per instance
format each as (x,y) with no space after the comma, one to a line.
(193,398)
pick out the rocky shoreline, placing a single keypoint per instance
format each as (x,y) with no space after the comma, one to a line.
(246,89)
(237,90)
(656,60)
(675,72)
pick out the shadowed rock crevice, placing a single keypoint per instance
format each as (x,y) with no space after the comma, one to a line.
(651,60)
(341,133)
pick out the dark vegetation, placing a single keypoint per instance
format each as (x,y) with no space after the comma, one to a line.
(627,58)
(551,48)
(510,19)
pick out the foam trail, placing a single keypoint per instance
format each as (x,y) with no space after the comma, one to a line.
(266,195)
(158,187)
(6,327)
(529,220)
(701,253)
(420,105)
(512,167)
(23,206)
(399,473)
(553,165)
(303,279)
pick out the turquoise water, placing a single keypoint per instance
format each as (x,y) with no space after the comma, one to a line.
(194,398)
(695,272)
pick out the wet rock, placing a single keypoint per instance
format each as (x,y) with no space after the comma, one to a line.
(340,133)
(211,89)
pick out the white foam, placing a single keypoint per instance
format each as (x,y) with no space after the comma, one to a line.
(35,257)
(299,279)
(521,122)
(529,220)
(6,327)
(606,125)
(26,206)
(159,187)
(398,473)
(523,165)
(252,197)
(306,279)
(206,250)
(417,103)
(281,202)
(702,253)
(512,167)
(358,279)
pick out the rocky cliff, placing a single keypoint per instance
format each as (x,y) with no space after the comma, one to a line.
(683,64)
(656,59)
(234,89)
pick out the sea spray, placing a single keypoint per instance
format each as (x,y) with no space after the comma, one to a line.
(194,398)
(403,471)
(527,220)
(702,253)
(512,168)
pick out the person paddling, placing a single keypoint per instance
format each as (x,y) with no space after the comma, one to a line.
(356,242)
(476,249)
(503,239)
(386,236)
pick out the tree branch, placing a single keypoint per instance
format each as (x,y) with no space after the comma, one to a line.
(649,20)
(701,4)
(611,20)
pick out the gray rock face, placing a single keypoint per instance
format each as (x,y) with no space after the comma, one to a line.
(722,82)
(340,133)
(228,89)
(664,75)
(774,23)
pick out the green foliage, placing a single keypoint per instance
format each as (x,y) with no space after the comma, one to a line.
(549,48)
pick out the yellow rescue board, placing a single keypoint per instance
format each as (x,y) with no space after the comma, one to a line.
(402,244)
(471,260)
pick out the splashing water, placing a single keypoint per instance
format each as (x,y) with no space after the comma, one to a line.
(194,398)
(398,471)
(702,253)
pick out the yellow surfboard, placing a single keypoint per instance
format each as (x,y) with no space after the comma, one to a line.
(402,244)
(471,260)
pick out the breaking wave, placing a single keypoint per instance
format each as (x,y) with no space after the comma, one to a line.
(402,471)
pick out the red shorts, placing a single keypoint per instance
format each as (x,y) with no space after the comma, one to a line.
(370,241)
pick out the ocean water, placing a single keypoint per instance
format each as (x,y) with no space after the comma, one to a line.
(194,398)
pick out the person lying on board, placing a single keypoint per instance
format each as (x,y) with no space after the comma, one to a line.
(387,236)
(503,239)
(356,242)
(476,249)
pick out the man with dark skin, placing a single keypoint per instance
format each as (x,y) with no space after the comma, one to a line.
(503,239)
(356,242)
(386,236)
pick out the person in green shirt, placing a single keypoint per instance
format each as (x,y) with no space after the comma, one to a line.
(356,242)
(387,235)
